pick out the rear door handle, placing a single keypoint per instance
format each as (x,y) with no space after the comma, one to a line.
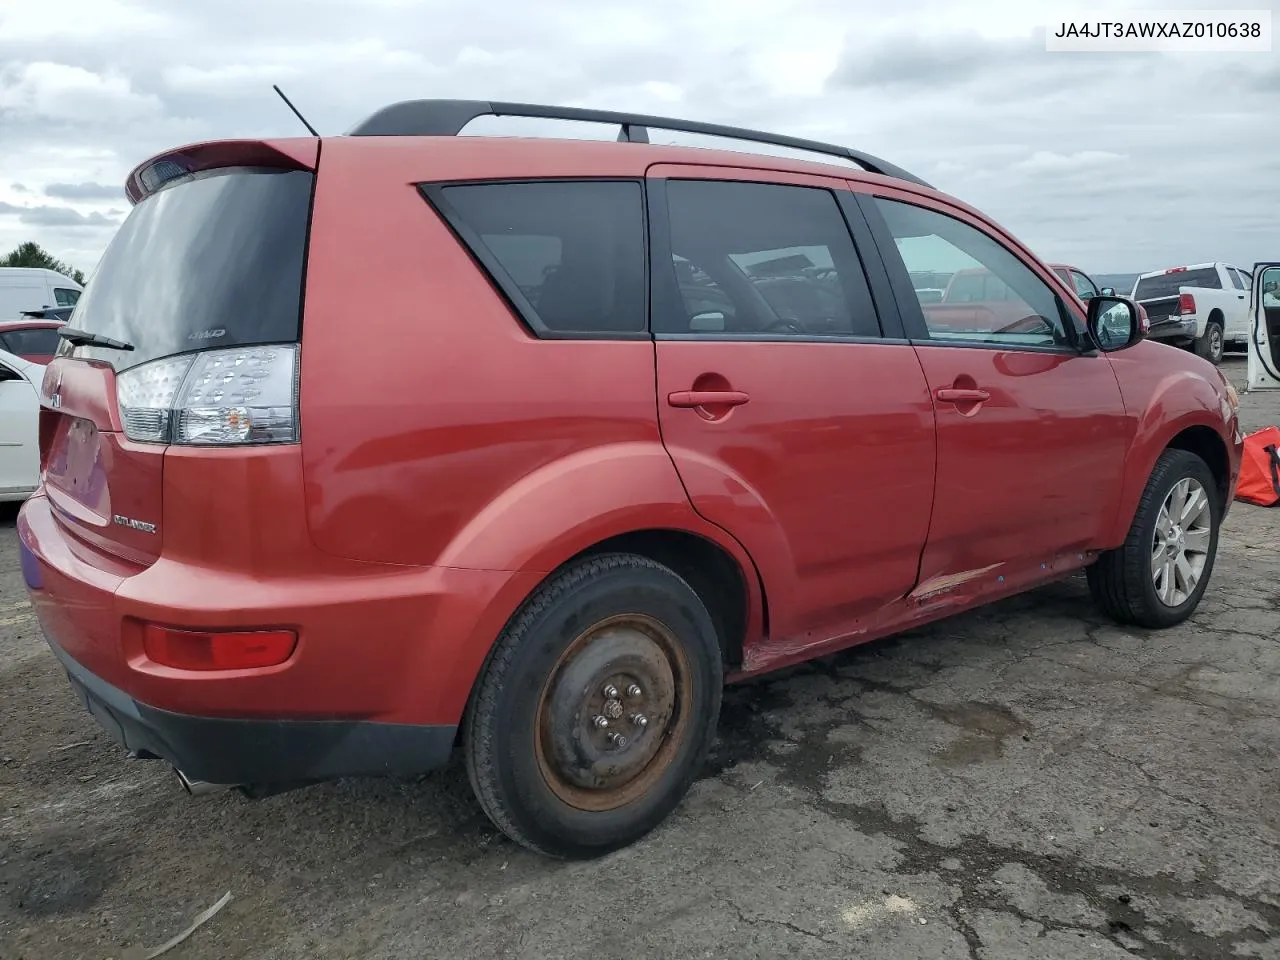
(707,398)
(961,395)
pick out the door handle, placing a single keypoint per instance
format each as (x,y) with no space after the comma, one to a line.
(707,398)
(961,395)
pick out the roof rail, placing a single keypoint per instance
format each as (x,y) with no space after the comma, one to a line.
(446,118)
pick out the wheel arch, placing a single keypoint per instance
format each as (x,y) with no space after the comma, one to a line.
(1192,434)
(1206,444)
(717,568)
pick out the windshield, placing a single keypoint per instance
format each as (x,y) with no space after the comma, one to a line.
(212,261)
(1167,284)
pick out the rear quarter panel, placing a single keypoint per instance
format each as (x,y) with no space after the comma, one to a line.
(438,431)
(1166,390)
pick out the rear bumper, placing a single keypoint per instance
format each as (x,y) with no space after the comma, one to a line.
(253,752)
(1175,328)
(384,665)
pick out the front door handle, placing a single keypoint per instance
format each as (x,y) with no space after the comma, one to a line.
(961,395)
(707,398)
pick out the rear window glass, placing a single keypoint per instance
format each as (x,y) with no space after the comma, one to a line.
(569,255)
(39,341)
(212,261)
(1167,284)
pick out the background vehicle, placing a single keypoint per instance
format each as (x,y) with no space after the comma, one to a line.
(1205,306)
(1080,281)
(61,314)
(32,338)
(1264,334)
(19,422)
(30,288)
(639,419)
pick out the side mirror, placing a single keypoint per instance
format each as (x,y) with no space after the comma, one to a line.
(1115,323)
(1108,291)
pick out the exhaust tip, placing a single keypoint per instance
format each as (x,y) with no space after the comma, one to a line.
(199,788)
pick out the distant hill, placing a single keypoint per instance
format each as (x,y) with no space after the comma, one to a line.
(1122,282)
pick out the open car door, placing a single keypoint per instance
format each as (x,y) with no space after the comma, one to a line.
(1264,333)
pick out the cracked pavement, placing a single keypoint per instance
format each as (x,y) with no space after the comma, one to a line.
(1025,782)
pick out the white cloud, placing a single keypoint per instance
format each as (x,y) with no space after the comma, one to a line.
(1057,147)
(99,21)
(229,79)
(60,92)
(1047,161)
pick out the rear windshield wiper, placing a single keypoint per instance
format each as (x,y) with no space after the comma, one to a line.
(83,338)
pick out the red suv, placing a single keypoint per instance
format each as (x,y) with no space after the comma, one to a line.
(371,447)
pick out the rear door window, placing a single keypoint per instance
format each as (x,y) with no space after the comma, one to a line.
(759,258)
(212,260)
(568,255)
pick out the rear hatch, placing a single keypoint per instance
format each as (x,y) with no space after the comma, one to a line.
(187,332)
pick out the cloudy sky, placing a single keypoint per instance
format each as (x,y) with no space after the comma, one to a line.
(1114,162)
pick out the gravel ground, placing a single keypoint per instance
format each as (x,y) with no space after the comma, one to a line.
(1025,782)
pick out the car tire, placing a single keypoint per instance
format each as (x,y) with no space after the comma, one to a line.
(1144,582)
(1210,345)
(596,708)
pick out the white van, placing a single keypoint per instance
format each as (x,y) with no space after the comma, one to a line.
(30,288)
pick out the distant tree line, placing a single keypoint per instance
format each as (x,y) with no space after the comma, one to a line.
(31,254)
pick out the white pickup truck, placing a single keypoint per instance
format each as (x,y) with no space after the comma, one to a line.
(1205,306)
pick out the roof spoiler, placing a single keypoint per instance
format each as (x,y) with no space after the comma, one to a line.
(299,153)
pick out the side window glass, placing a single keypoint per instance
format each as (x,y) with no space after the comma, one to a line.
(1084,286)
(1236,279)
(65,297)
(573,251)
(992,296)
(758,258)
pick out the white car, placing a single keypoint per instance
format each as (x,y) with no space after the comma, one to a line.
(1264,333)
(19,426)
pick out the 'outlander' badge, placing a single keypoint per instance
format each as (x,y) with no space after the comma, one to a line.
(135,524)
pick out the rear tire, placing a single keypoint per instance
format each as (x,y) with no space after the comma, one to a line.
(1210,346)
(1147,582)
(615,638)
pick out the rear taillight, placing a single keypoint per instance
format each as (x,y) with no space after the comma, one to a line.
(1186,304)
(218,397)
(201,650)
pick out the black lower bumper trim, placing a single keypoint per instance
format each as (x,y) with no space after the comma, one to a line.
(1170,329)
(257,751)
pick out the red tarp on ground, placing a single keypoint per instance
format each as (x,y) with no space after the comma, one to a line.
(1260,469)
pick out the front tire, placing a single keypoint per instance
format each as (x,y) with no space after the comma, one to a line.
(596,709)
(1157,578)
(1211,345)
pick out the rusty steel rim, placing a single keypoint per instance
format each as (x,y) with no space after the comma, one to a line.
(613,713)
